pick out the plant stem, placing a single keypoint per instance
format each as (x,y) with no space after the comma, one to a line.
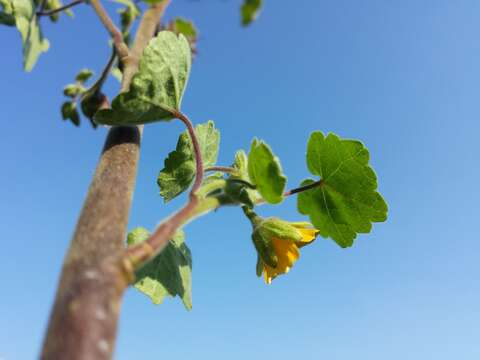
(54,11)
(225,169)
(196,150)
(115,33)
(303,188)
(138,255)
(84,317)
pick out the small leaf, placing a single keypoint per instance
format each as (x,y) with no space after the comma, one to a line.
(157,88)
(184,27)
(6,13)
(83,75)
(73,90)
(239,191)
(127,16)
(265,172)
(346,202)
(27,24)
(69,111)
(179,170)
(169,273)
(250,10)
(117,73)
(55,4)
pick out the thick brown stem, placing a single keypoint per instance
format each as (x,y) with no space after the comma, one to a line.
(83,322)
(84,318)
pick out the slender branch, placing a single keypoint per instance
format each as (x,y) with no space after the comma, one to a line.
(225,169)
(196,150)
(134,257)
(105,72)
(296,190)
(41,12)
(42,5)
(303,188)
(115,33)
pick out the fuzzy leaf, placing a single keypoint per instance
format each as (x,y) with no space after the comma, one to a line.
(169,273)
(157,88)
(179,170)
(265,172)
(240,192)
(27,24)
(83,75)
(347,201)
(69,111)
(250,10)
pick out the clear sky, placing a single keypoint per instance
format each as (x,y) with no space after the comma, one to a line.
(402,76)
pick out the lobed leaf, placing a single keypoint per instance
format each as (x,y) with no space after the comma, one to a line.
(158,86)
(179,168)
(265,172)
(346,202)
(169,273)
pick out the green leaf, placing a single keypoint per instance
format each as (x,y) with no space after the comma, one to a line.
(55,4)
(69,111)
(117,74)
(169,273)
(179,170)
(236,190)
(152,2)
(73,90)
(127,16)
(6,13)
(250,10)
(184,27)
(265,172)
(346,201)
(83,75)
(27,24)
(157,88)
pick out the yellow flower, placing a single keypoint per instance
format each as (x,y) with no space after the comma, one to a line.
(278,243)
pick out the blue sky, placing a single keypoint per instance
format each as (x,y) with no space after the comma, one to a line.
(401,76)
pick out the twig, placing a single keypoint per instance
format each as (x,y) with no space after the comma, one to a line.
(103,76)
(225,169)
(41,12)
(115,33)
(196,150)
(303,188)
(296,190)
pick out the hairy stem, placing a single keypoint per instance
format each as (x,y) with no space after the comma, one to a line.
(196,151)
(41,12)
(225,169)
(115,33)
(84,317)
(303,188)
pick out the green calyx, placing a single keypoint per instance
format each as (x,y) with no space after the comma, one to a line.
(275,228)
